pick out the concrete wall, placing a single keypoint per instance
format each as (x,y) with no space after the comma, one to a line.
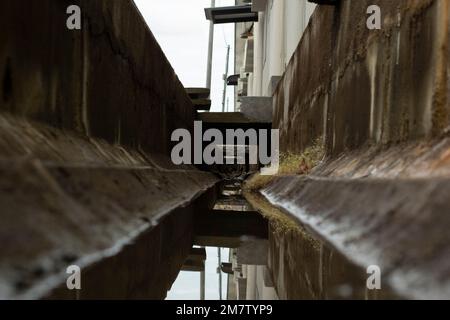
(352,86)
(85,124)
(348,87)
(109,80)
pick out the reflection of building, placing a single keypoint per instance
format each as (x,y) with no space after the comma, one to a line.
(251,279)
(264,48)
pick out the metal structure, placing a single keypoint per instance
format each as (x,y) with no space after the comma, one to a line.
(210,50)
(233,14)
(225,78)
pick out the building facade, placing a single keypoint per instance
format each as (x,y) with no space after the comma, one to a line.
(263,50)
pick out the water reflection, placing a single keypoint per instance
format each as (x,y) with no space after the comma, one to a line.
(187,285)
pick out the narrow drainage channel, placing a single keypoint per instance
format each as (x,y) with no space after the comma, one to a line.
(220,265)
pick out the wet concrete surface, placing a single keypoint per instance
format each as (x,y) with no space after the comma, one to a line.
(232,221)
(304,266)
(366,207)
(67,200)
(399,226)
(377,102)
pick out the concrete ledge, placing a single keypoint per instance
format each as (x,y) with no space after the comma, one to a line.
(399,225)
(104,209)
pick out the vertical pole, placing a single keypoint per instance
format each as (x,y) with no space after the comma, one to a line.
(219,271)
(225,79)
(210,49)
(258,55)
(202,283)
(251,282)
(208,85)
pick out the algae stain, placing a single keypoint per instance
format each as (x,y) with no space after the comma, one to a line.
(372,60)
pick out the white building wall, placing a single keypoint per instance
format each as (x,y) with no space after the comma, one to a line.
(296,17)
(277,35)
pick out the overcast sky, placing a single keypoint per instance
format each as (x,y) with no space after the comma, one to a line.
(181,28)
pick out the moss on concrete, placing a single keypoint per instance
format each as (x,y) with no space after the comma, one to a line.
(281,224)
(290,164)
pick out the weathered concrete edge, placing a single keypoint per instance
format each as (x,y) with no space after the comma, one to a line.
(33,152)
(327,274)
(46,287)
(345,214)
(150,279)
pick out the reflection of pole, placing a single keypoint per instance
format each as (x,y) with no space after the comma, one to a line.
(210,49)
(219,270)
(225,79)
(202,283)
(208,85)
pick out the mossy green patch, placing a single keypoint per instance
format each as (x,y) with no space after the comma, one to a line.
(290,164)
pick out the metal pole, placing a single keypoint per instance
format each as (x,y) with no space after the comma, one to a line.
(219,270)
(225,80)
(202,283)
(208,85)
(210,49)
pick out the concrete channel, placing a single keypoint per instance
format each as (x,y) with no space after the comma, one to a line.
(87,180)
(86,174)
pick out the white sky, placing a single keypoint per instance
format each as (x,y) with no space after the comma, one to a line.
(181,28)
